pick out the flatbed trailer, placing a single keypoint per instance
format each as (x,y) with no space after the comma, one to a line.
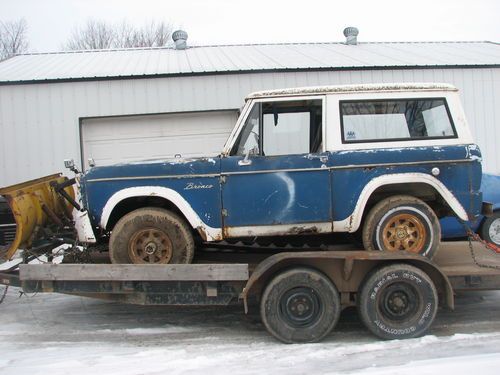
(300,293)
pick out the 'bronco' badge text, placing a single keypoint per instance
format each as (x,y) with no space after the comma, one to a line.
(192,185)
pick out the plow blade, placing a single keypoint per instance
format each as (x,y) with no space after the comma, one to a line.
(35,204)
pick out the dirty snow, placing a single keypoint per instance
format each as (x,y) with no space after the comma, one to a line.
(58,334)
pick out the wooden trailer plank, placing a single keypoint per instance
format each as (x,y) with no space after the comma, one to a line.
(128,272)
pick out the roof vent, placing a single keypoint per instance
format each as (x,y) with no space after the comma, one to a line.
(351,34)
(180,39)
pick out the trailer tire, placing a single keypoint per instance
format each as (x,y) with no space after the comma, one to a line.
(398,302)
(402,223)
(151,236)
(300,305)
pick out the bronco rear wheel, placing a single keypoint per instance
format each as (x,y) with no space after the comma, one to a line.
(402,223)
(151,236)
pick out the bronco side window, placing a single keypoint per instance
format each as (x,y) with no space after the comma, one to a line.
(399,119)
(282,128)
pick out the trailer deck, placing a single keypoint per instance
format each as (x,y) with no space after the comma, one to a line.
(301,293)
(457,263)
(206,283)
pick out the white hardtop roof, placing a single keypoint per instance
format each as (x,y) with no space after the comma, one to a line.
(318,90)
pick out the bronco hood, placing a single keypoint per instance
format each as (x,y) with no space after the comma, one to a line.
(155,168)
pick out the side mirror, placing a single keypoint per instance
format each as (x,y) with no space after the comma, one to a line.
(70,164)
(246,160)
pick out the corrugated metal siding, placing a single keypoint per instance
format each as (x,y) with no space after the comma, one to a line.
(248,58)
(39,123)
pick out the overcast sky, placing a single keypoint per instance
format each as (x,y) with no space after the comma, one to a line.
(51,22)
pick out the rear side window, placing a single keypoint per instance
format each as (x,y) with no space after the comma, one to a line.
(390,120)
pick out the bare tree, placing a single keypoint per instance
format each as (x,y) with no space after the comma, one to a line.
(100,35)
(13,38)
(94,35)
(154,34)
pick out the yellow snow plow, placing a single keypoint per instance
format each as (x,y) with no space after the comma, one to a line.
(38,205)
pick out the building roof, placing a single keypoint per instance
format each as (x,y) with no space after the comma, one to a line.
(317,90)
(151,62)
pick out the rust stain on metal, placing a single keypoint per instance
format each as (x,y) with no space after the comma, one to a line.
(348,266)
(302,230)
(204,235)
(351,219)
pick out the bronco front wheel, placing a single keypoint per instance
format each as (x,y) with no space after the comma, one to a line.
(402,223)
(151,236)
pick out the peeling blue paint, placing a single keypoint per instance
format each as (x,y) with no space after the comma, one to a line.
(287,189)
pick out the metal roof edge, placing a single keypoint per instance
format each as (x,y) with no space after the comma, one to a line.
(256,71)
(170,48)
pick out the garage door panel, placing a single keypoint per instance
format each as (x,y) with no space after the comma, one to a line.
(165,125)
(134,149)
(125,139)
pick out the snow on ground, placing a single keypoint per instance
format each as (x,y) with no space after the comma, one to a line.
(57,334)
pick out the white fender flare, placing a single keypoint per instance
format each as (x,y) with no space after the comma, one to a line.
(212,234)
(352,223)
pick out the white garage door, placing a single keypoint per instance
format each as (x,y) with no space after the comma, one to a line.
(123,139)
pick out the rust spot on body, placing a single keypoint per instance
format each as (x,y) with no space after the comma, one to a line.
(302,230)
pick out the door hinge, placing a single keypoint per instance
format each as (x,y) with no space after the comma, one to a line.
(224,212)
(223,179)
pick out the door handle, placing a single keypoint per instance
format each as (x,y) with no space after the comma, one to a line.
(244,162)
(321,158)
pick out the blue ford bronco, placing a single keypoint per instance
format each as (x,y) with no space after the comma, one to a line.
(385,161)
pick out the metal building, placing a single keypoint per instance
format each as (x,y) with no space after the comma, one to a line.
(122,105)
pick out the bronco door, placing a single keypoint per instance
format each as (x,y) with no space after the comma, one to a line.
(275,180)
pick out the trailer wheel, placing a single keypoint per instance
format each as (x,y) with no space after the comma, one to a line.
(402,223)
(398,302)
(300,305)
(151,236)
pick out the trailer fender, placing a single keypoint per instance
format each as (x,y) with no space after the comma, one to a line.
(346,269)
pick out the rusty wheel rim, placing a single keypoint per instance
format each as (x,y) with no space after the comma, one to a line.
(404,232)
(150,246)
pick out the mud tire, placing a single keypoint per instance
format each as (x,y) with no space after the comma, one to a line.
(414,212)
(398,301)
(300,305)
(162,227)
